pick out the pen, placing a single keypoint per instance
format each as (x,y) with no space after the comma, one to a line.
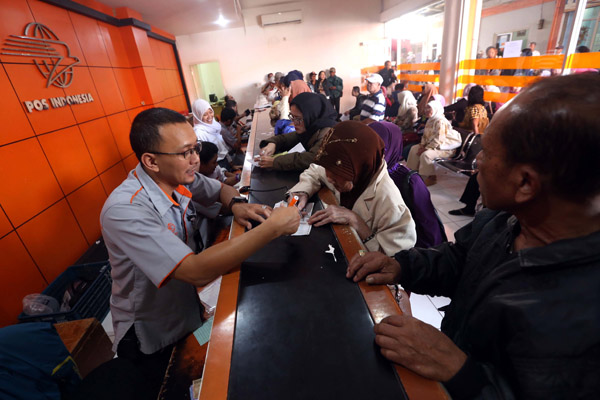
(293,201)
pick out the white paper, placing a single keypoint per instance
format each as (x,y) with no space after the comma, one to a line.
(297,149)
(304,227)
(210,294)
(512,49)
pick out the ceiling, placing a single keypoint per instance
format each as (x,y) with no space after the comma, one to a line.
(184,17)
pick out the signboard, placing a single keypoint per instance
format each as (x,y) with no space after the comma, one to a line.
(53,59)
(512,48)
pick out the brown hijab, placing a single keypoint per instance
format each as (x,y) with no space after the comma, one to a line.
(428,91)
(354,152)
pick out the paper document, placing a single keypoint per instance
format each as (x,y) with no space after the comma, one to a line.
(297,149)
(210,294)
(304,228)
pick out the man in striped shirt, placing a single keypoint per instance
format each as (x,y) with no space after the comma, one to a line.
(373,108)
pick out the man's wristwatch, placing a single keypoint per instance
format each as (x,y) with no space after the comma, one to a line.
(237,199)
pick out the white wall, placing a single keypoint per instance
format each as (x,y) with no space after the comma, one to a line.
(524,18)
(329,35)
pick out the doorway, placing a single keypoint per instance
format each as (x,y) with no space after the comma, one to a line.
(208,82)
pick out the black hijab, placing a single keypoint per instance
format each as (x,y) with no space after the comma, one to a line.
(317,113)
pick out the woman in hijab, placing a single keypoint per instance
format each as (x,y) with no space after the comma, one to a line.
(392,140)
(439,140)
(313,116)
(207,129)
(351,164)
(407,112)
(294,80)
(428,91)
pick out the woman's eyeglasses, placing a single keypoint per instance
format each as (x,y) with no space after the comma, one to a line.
(186,155)
(297,120)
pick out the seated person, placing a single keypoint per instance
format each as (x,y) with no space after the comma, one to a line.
(523,277)
(407,111)
(373,107)
(232,104)
(148,225)
(313,116)
(294,80)
(351,164)
(360,98)
(279,124)
(439,140)
(455,112)
(232,135)
(476,116)
(207,129)
(391,112)
(392,140)
(209,167)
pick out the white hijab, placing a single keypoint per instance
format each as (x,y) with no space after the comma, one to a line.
(406,100)
(449,138)
(208,132)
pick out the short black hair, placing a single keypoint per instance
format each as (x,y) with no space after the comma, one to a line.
(227,114)
(356,89)
(582,49)
(230,103)
(209,150)
(144,135)
(399,86)
(554,129)
(476,96)
(526,52)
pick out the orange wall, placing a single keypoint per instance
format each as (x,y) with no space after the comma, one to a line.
(58,166)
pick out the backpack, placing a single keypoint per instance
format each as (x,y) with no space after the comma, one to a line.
(430,230)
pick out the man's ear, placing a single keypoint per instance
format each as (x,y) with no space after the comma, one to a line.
(148,161)
(528,183)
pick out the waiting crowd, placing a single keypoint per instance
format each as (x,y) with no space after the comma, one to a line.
(523,277)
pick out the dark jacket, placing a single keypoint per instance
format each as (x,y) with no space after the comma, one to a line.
(295,161)
(357,106)
(529,321)
(388,75)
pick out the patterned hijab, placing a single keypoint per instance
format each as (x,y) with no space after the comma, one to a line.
(354,152)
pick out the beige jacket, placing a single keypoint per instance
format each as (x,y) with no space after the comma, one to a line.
(380,206)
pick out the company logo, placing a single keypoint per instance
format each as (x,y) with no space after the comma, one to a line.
(51,55)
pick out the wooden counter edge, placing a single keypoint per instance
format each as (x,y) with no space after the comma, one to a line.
(381,304)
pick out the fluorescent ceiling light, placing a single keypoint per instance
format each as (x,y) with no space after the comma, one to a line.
(221,21)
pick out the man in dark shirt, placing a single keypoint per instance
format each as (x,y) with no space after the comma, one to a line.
(336,89)
(388,74)
(355,111)
(524,276)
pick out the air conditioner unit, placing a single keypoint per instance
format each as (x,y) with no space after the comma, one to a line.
(283,17)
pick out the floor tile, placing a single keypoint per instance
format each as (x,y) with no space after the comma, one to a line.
(423,309)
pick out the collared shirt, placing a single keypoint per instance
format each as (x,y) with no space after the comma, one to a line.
(229,135)
(373,107)
(148,234)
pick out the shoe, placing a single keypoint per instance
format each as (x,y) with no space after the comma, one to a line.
(430,180)
(463,211)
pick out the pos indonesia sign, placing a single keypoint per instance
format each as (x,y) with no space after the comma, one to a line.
(53,59)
